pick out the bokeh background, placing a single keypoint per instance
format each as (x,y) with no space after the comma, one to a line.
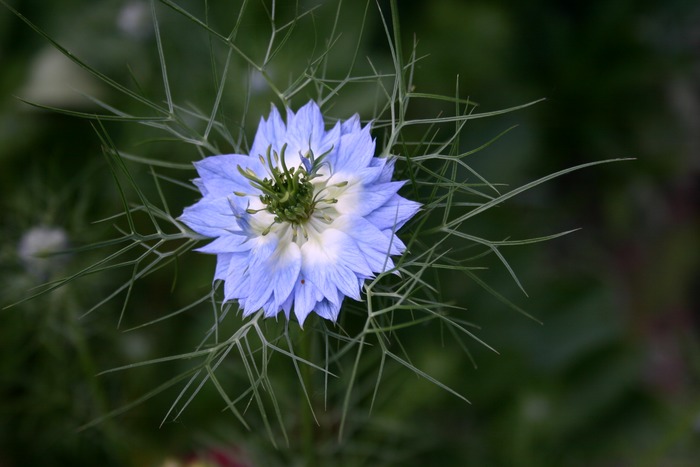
(609,377)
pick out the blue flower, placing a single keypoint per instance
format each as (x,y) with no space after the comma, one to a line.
(304,220)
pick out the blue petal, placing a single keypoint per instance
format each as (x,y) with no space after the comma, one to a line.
(287,305)
(352,256)
(331,139)
(237,277)
(226,244)
(344,280)
(328,310)
(306,296)
(306,124)
(324,263)
(259,291)
(375,245)
(369,175)
(200,185)
(369,198)
(210,217)
(271,308)
(220,176)
(222,264)
(279,272)
(355,152)
(306,131)
(397,246)
(272,132)
(387,165)
(394,213)
(287,273)
(350,125)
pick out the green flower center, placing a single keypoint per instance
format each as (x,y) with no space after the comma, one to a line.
(288,194)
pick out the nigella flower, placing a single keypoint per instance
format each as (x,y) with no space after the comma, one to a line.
(304,220)
(36,249)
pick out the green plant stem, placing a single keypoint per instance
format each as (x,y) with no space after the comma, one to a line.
(100,399)
(307,419)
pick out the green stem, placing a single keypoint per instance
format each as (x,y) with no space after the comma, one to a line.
(307,419)
(88,366)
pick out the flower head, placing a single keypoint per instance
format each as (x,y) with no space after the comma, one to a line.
(37,247)
(304,220)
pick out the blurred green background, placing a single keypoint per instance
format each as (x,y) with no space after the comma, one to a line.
(610,377)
